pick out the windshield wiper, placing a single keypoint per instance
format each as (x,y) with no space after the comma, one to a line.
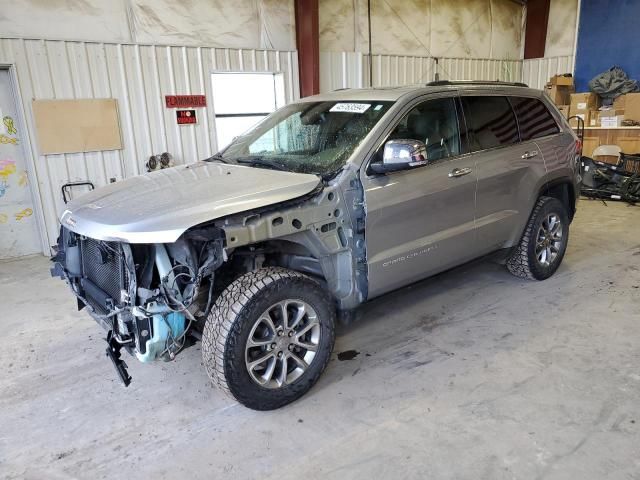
(262,162)
(216,157)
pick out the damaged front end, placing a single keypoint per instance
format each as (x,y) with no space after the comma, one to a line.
(147,297)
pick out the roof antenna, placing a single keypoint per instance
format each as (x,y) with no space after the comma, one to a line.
(370,46)
(436,77)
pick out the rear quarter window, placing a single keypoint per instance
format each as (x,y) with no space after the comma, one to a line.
(490,122)
(534,118)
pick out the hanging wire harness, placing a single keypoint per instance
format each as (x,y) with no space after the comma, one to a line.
(148,298)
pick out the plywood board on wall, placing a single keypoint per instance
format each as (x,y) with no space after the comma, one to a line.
(71,126)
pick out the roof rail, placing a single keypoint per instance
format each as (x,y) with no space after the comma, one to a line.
(440,83)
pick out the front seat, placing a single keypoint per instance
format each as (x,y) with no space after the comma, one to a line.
(424,127)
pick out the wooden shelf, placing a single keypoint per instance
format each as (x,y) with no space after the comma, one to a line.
(627,138)
(609,128)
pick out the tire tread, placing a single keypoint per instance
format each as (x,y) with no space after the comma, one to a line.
(519,262)
(230,308)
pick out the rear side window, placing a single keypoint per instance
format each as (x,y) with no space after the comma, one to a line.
(490,122)
(534,118)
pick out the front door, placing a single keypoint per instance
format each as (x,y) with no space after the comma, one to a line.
(420,221)
(18,228)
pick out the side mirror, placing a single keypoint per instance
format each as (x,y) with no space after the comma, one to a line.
(400,155)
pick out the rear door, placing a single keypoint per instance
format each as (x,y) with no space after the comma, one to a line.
(421,221)
(536,123)
(507,169)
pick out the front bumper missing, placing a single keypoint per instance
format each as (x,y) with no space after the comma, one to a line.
(113,352)
(106,322)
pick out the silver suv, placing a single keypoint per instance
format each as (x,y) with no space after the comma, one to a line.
(325,204)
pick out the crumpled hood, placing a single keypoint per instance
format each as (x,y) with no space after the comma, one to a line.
(158,207)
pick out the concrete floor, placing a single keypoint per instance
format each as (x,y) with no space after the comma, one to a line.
(472,374)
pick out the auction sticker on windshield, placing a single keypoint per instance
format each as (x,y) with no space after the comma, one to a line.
(350,107)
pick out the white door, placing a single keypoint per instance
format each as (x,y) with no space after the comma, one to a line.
(18,228)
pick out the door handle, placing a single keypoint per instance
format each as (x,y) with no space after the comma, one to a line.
(459,172)
(531,154)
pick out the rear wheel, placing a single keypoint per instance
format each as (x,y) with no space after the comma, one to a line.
(544,242)
(269,337)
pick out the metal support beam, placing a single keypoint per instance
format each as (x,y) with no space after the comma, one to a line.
(308,45)
(536,28)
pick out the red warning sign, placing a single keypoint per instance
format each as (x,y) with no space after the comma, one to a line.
(185,101)
(186,117)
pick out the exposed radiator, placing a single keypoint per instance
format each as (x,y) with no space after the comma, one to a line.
(103,273)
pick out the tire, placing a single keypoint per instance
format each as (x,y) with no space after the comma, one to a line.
(253,307)
(527,259)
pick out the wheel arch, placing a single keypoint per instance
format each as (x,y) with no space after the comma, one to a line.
(563,190)
(294,255)
(307,253)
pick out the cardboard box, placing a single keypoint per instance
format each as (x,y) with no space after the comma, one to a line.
(560,95)
(620,103)
(583,114)
(564,110)
(590,117)
(611,122)
(584,101)
(611,117)
(632,106)
(561,80)
(612,112)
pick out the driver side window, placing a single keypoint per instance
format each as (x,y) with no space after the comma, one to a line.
(434,123)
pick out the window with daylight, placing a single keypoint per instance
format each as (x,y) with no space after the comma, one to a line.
(241,100)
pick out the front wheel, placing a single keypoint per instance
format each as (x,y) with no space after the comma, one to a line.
(544,242)
(269,337)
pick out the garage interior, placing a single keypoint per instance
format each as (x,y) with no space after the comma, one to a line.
(472,373)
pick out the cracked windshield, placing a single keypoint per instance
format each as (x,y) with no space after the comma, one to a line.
(314,137)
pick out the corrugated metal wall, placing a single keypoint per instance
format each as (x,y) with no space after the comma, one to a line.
(392,70)
(138,76)
(341,70)
(536,72)
(479,69)
(351,70)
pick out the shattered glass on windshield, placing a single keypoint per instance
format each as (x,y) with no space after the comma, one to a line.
(312,137)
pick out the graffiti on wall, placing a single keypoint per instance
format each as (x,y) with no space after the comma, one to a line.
(8,123)
(5,139)
(23,179)
(27,212)
(7,167)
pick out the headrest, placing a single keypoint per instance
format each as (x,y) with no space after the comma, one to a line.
(420,126)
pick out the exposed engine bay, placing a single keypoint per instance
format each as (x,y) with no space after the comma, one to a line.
(153,299)
(147,297)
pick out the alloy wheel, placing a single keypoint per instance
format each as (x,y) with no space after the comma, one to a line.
(282,343)
(549,240)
